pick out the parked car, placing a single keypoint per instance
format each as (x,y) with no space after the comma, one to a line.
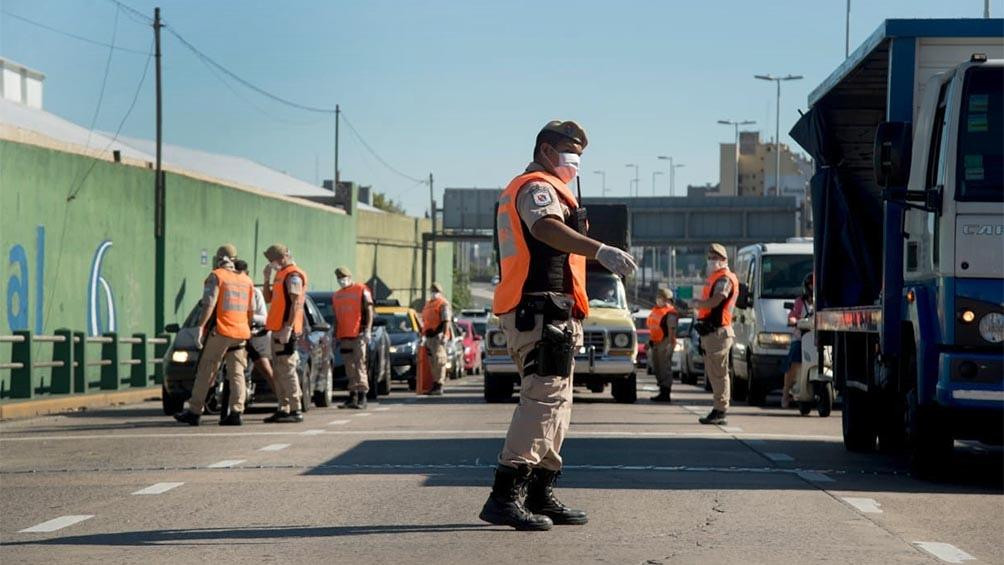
(314,369)
(478,318)
(472,347)
(377,352)
(404,331)
(640,317)
(455,352)
(692,364)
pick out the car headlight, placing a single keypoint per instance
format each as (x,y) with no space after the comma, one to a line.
(497,339)
(393,349)
(773,339)
(621,340)
(992,327)
(678,346)
(180,356)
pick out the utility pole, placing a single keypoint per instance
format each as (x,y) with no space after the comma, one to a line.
(158,183)
(636,188)
(338,173)
(432,216)
(986,9)
(847,31)
(655,174)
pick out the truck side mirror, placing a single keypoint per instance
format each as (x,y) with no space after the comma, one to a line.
(891,156)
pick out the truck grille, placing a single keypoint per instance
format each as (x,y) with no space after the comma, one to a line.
(597,339)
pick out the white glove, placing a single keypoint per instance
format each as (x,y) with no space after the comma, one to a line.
(282,336)
(368,336)
(617,261)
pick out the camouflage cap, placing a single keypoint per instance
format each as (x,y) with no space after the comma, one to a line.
(343,272)
(276,251)
(569,129)
(227,250)
(718,249)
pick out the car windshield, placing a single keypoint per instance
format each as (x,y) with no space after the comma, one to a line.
(683,327)
(980,162)
(605,290)
(397,323)
(479,328)
(781,276)
(323,303)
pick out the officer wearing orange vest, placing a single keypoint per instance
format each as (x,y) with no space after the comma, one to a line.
(285,295)
(437,328)
(226,298)
(661,325)
(540,301)
(714,324)
(352,305)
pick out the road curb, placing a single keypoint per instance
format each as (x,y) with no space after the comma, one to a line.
(30,408)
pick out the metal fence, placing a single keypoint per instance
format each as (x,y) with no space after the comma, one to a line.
(71,359)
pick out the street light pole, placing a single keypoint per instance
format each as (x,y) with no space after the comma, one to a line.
(636,189)
(847,31)
(736,124)
(777,129)
(604,175)
(654,174)
(672,172)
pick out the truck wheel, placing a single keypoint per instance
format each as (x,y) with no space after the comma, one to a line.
(625,390)
(172,404)
(498,388)
(857,422)
(597,386)
(929,439)
(824,398)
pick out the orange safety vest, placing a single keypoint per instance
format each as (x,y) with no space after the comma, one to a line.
(726,306)
(514,254)
(654,322)
(232,304)
(347,304)
(280,302)
(432,315)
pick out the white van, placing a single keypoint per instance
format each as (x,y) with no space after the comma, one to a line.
(770,279)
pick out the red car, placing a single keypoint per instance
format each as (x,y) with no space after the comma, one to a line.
(472,347)
(642,359)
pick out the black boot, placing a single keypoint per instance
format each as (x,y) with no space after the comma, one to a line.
(351,403)
(437,390)
(714,418)
(232,419)
(187,417)
(505,504)
(663,395)
(276,417)
(540,499)
(361,400)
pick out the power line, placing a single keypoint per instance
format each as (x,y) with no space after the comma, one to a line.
(72,35)
(377,156)
(104,79)
(133,13)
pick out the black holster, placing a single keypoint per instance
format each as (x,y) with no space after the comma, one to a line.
(555,351)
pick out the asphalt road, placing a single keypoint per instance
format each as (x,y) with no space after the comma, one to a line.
(403,482)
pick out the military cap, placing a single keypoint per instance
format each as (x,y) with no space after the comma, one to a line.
(569,129)
(665,293)
(436,287)
(341,272)
(718,249)
(227,250)
(276,251)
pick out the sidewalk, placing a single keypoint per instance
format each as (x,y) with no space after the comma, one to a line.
(69,403)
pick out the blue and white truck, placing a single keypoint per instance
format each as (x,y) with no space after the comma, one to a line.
(908,205)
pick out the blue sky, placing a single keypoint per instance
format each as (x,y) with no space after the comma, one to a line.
(456,88)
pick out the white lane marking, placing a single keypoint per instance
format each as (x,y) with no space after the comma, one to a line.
(866,505)
(609,433)
(779,457)
(311,432)
(338,422)
(694,409)
(361,414)
(381,409)
(158,488)
(226,463)
(732,429)
(815,477)
(650,388)
(57,523)
(275,447)
(944,551)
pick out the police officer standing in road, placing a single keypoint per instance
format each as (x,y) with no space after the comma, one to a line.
(352,305)
(540,300)
(226,298)
(285,295)
(714,324)
(661,325)
(437,327)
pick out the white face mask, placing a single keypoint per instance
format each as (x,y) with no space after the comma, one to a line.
(435,295)
(345,282)
(568,166)
(716,265)
(660,301)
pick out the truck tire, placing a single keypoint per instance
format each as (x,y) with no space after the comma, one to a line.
(929,439)
(498,388)
(625,390)
(857,421)
(172,404)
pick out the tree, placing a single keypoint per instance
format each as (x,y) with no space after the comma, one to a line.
(461,290)
(382,202)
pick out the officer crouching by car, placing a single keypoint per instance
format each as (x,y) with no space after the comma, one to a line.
(541,300)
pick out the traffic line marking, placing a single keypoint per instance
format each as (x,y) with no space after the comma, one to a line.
(57,523)
(158,488)
(275,447)
(815,477)
(650,388)
(944,551)
(338,422)
(381,409)
(732,429)
(311,432)
(226,463)
(361,414)
(779,457)
(866,505)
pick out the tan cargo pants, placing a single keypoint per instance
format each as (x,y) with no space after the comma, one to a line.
(287,378)
(354,354)
(438,358)
(218,349)
(661,357)
(717,346)
(541,419)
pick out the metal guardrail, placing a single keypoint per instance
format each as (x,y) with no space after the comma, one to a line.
(70,361)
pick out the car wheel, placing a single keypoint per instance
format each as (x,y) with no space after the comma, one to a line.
(305,390)
(412,384)
(625,390)
(172,404)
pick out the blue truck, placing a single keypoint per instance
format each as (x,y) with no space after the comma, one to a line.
(908,206)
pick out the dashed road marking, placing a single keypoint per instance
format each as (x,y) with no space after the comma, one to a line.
(779,457)
(866,505)
(311,432)
(275,447)
(338,422)
(226,464)
(158,488)
(815,477)
(650,388)
(732,429)
(361,414)
(944,551)
(57,523)
(381,409)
